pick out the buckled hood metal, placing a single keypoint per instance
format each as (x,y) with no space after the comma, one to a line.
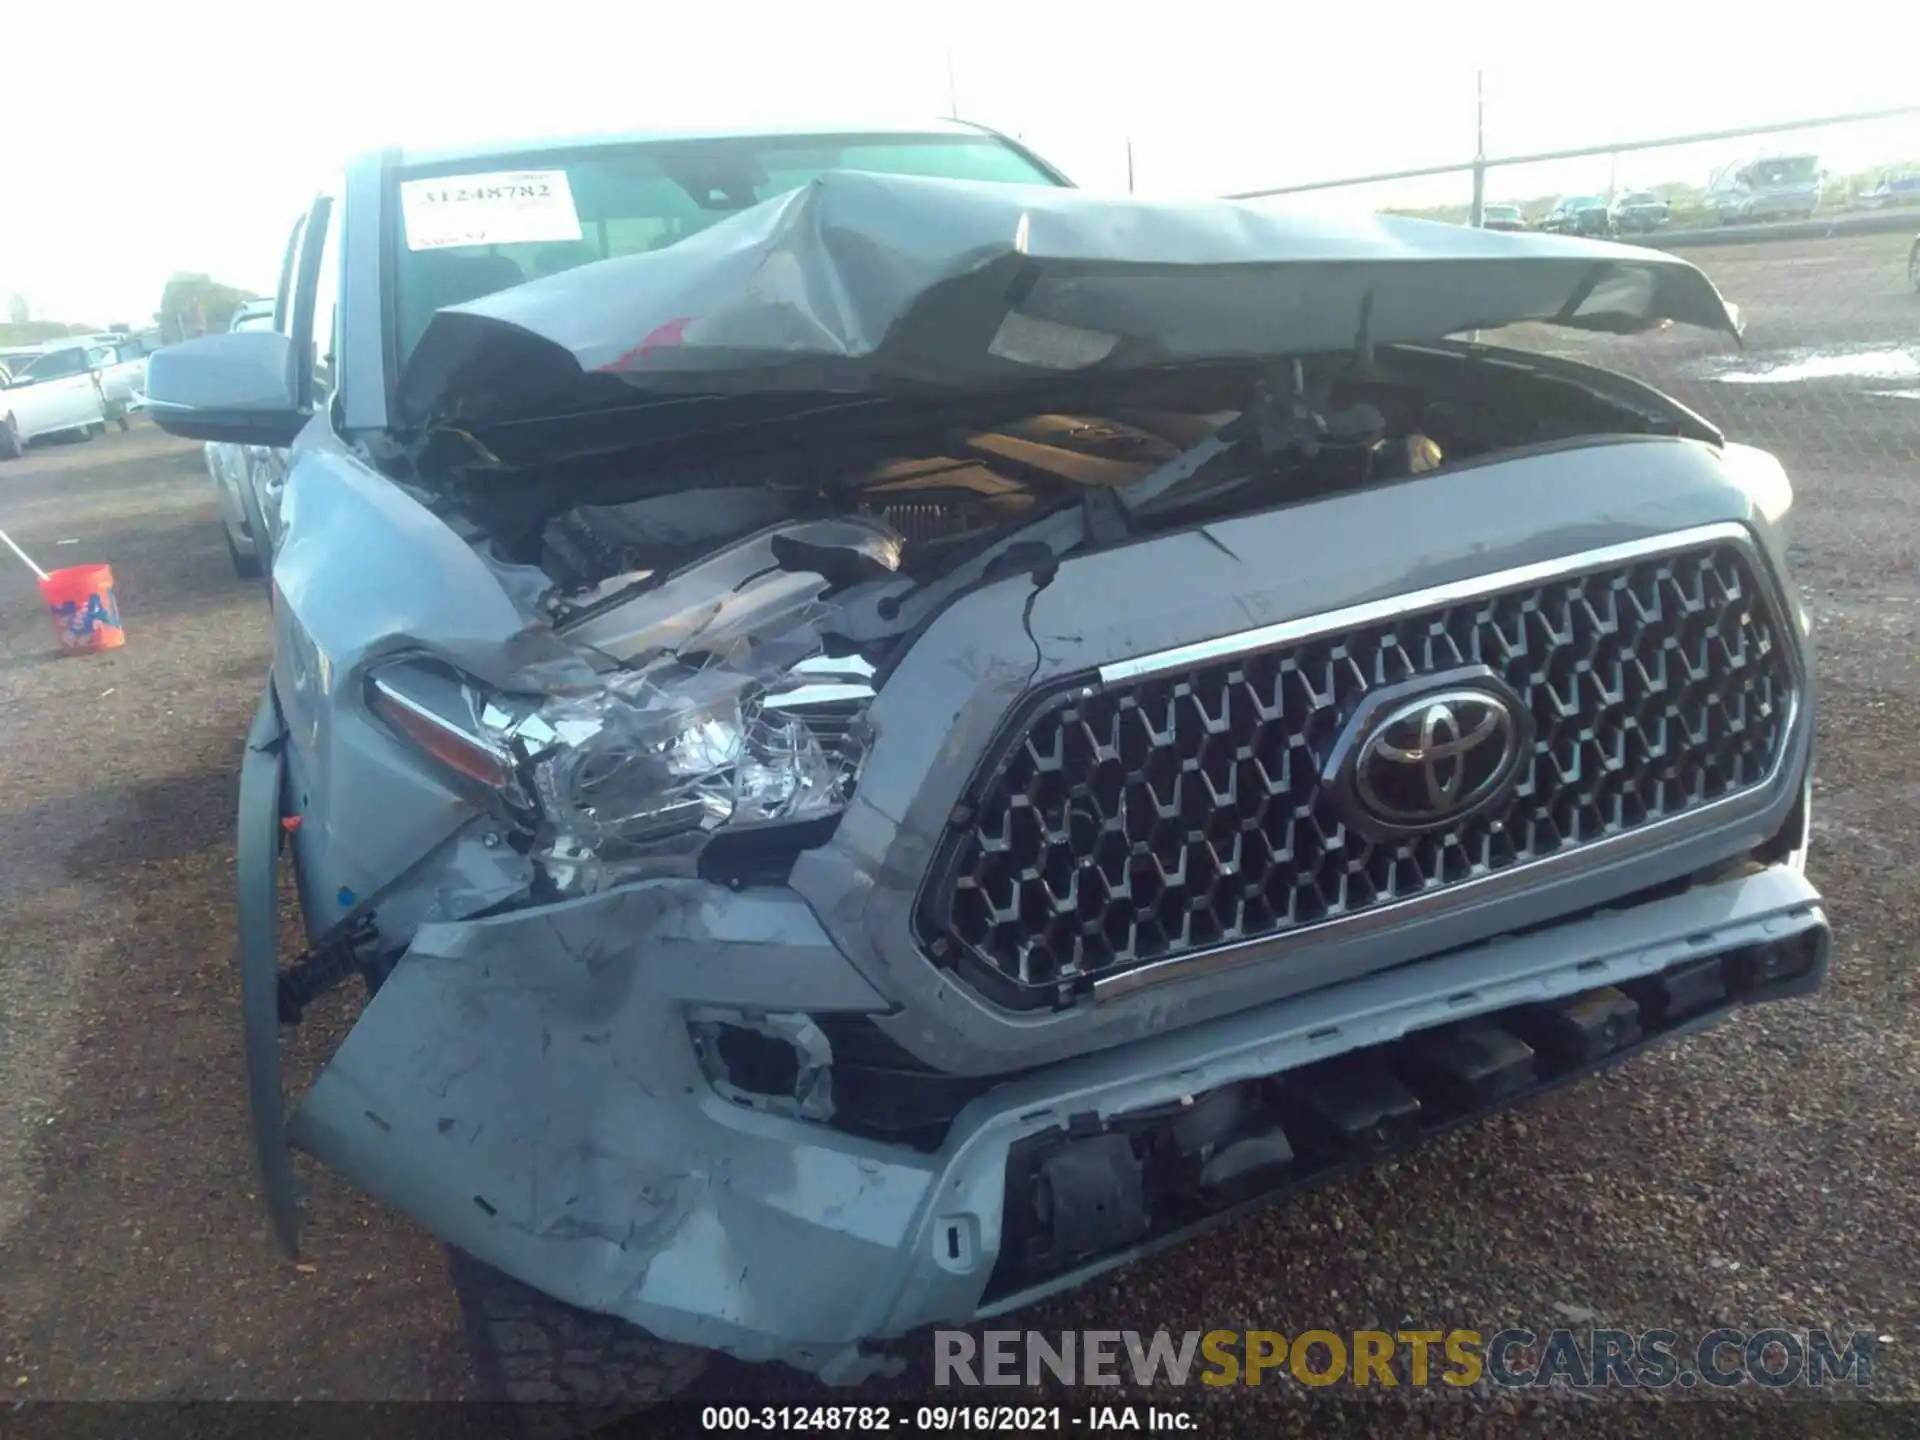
(860,282)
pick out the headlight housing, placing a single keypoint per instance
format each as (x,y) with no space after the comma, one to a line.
(668,750)
(625,779)
(714,709)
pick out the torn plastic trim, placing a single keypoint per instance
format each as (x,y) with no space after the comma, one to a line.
(256,866)
(539,1062)
(1475,1070)
(1614,948)
(807,1094)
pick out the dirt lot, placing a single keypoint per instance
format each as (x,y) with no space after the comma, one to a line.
(1762,1174)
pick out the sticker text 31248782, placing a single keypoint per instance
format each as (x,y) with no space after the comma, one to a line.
(502,208)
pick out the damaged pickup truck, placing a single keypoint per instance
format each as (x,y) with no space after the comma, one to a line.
(885,735)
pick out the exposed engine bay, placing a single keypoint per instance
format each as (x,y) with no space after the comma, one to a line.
(742,613)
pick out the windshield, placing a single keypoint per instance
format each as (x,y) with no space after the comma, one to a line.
(1790,170)
(55,365)
(254,322)
(521,217)
(1501,212)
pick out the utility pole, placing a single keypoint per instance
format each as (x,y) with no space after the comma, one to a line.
(1479,210)
(1129,164)
(953,90)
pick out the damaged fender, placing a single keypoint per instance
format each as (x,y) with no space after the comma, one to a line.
(256,865)
(528,1086)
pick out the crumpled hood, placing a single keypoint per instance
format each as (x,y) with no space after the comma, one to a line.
(862,281)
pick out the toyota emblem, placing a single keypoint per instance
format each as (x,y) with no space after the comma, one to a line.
(1433,759)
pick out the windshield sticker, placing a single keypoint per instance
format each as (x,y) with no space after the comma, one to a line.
(505,208)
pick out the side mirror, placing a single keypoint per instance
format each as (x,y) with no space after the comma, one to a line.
(235,389)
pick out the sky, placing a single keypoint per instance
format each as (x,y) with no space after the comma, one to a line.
(195,130)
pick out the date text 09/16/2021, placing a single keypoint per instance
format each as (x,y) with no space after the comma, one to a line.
(942,1419)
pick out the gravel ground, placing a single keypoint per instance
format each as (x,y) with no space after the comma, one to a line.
(1760,1174)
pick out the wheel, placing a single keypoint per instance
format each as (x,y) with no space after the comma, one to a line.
(11,444)
(247,567)
(530,1349)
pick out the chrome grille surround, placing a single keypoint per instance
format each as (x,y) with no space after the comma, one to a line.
(1173,810)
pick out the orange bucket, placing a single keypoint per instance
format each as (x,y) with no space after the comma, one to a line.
(86,615)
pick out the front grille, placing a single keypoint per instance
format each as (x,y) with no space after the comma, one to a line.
(1158,818)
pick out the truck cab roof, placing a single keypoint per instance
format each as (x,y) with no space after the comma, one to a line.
(414,157)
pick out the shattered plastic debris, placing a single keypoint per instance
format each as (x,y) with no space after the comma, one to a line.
(648,759)
(676,750)
(711,718)
(812,1097)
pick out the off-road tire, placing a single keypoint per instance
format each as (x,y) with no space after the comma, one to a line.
(573,1370)
(11,446)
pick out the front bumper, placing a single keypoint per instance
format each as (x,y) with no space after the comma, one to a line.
(526,1086)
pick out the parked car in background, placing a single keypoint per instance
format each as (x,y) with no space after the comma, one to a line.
(1776,187)
(1913,265)
(231,469)
(1502,217)
(1579,215)
(56,392)
(1892,188)
(1638,212)
(842,824)
(14,357)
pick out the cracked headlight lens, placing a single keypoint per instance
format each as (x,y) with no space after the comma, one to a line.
(653,762)
(672,751)
(650,771)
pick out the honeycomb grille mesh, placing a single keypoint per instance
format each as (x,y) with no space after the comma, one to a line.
(1166,816)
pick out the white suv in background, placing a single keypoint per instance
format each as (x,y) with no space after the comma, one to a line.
(57,392)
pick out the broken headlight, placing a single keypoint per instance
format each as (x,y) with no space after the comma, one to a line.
(657,754)
(664,755)
(654,761)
